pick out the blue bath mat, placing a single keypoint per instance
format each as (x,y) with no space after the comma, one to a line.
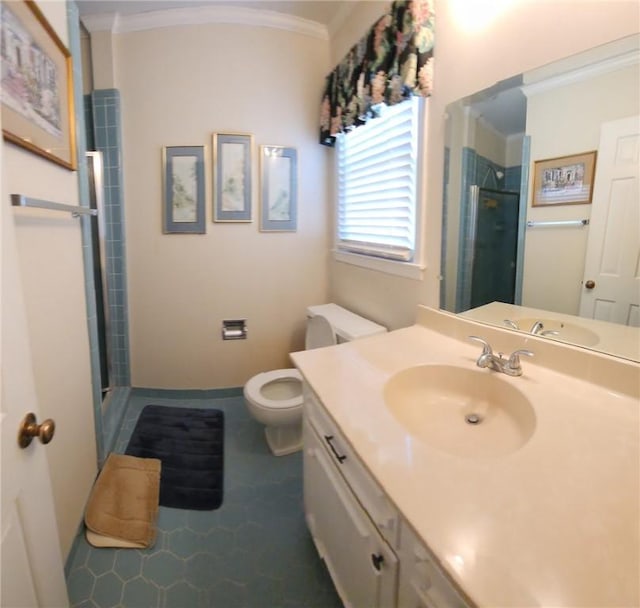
(190,444)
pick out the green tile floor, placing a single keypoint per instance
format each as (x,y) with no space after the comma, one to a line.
(253,552)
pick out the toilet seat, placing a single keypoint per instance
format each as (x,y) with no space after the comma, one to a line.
(253,389)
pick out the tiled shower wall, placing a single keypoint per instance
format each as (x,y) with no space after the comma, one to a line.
(104,134)
(107,138)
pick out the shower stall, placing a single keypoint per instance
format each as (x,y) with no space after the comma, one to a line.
(489,248)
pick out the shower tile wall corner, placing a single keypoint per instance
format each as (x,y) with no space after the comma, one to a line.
(107,135)
(512,178)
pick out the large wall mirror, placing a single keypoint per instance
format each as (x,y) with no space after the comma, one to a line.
(541,221)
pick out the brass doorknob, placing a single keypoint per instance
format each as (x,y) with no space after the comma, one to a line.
(590,284)
(29,429)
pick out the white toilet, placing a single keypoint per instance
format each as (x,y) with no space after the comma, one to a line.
(275,398)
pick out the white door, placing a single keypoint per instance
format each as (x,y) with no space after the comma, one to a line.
(611,285)
(31,567)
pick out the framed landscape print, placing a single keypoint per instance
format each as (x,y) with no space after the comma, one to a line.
(232,169)
(184,189)
(278,189)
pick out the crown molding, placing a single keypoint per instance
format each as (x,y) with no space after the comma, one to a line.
(580,74)
(121,24)
(101,23)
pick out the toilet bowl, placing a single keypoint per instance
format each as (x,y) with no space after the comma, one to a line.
(275,399)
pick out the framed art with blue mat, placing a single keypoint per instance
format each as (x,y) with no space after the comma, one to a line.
(190,444)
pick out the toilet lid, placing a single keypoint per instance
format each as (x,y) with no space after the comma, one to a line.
(253,389)
(319,333)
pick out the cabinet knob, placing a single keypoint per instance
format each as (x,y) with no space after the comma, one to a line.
(377,560)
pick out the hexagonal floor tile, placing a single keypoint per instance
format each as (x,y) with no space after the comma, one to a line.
(184,542)
(128,563)
(80,585)
(108,590)
(138,592)
(181,595)
(163,568)
(101,561)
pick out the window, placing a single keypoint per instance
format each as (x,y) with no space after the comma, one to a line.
(377,185)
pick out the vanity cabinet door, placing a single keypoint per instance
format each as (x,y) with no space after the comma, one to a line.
(362,565)
(369,494)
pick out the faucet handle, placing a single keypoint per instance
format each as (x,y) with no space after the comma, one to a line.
(511,324)
(514,359)
(537,327)
(486,347)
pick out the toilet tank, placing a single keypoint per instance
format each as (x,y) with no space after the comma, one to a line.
(346,325)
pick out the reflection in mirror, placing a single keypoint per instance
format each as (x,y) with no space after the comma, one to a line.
(560,259)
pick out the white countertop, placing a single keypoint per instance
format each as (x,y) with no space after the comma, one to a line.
(555,523)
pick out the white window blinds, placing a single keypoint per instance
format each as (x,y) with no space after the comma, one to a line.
(377,166)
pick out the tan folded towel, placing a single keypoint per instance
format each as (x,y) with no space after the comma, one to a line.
(123,507)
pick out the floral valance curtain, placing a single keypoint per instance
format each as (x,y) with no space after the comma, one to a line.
(391,63)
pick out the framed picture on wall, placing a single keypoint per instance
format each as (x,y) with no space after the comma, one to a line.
(37,85)
(278,189)
(567,180)
(184,189)
(232,170)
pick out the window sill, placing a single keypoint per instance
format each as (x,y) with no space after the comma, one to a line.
(408,270)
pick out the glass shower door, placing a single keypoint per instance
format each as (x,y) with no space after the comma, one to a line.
(96,201)
(493,273)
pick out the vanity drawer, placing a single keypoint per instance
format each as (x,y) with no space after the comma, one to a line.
(370,495)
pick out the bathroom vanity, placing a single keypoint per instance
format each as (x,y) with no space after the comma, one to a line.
(409,506)
(358,531)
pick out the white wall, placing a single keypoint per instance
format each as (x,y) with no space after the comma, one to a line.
(522,35)
(564,121)
(52,278)
(492,145)
(179,85)
(514,150)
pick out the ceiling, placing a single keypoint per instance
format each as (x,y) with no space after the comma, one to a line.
(506,112)
(324,12)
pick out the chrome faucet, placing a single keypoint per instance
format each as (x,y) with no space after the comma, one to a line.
(498,363)
(537,328)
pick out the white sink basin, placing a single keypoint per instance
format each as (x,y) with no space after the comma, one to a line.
(465,412)
(567,332)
